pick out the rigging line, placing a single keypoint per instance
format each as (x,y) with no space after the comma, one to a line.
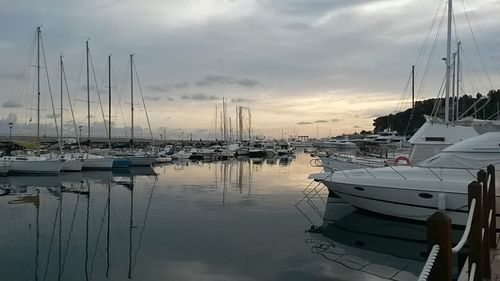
(99,97)
(51,242)
(474,70)
(70,232)
(431,56)
(437,103)
(144,103)
(403,96)
(77,89)
(422,48)
(476,45)
(144,221)
(489,51)
(50,93)
(71,107)
(118,94)
(20,90)
(457,37)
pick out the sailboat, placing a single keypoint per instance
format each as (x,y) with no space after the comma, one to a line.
(136,158)
(34,164)
(437,183)
(71,162)
(92,161)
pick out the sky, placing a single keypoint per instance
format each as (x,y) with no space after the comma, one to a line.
(303,67)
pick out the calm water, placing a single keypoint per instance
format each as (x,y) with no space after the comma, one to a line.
(195,221)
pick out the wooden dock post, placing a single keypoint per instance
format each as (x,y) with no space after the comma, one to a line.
(492,202)
(439,232)
(482,177)
(474,240)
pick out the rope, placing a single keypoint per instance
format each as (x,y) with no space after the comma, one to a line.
(144,104)
(476,45)
(472,272)
(462,241)
(99,97)
(429,263)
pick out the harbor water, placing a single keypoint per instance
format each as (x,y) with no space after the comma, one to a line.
(242,219)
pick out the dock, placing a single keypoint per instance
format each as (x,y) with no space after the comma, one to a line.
(494,263)
(483,252)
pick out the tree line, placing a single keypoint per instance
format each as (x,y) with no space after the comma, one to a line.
(403,122)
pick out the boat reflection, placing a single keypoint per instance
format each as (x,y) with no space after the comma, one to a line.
(394,250)
(73,227)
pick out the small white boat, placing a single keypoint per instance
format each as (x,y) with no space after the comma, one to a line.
(33,165)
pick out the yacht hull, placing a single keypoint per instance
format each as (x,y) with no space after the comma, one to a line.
(72,165)
(142,160)
(42,167)
(412,204)
(98,164)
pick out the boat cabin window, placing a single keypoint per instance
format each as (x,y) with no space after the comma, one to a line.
(434,138)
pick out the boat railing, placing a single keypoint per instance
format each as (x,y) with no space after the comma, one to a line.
(479,234)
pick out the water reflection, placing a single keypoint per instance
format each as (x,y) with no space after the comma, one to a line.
(365,242)
(65,216)
(227,220)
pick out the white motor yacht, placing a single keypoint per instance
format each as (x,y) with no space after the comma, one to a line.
(416,192)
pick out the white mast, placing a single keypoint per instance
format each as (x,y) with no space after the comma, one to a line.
(448,64)
(62,104)
(131,102)
(38,85)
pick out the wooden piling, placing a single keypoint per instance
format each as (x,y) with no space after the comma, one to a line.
(474,239)
(492,202)
(439,232)
(482,177)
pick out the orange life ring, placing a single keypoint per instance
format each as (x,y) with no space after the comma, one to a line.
(402,158)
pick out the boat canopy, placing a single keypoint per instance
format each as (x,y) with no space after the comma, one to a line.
(474,153)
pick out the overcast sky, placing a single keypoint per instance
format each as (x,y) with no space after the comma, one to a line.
(302,66)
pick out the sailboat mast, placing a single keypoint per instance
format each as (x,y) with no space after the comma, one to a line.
(88,89)
(61,65)
(448,63)
(109,99)
(38,84)
(413,87)
(132,101)
(458,78)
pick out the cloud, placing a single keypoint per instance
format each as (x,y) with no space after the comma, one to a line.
(12,118)
(241,100)
(210,80)
(159,88)
(169,98)
(11,104)
(304,123)
(152,98)
(181,85)
(199,96)
(321,121)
